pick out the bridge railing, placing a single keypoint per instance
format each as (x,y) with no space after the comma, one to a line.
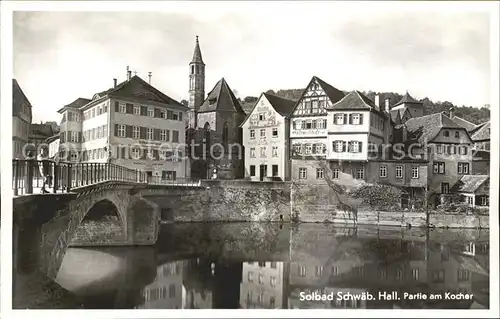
(29,175)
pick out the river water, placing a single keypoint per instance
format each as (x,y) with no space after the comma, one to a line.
(245,265)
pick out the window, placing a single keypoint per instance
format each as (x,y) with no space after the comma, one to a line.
(319,149)
(175,136)
(452,149)
(318,271)
(302,271)
(297,124)
(252,170)
(263,151)
(74,156)
(135,153)
(439,149)
(252,134)
(382,274)
(414,172)
(438,167)
(175,116)
(297,148)
(336,173)
(275,151)
(399,171)
(462,150)
(445,188)
(272,281)
(74,137)
(319,173)
(151,112)
(273,264)
(484,201)
(354,147)
(262,132)
(137,110)
(121,130)
(338,119)
(262,116)
(275,132)
(272,302)
(149,135)
(321,124)
(252,152)
(275,170)
(308,149)
(225,133)
(356,119)
(302,173)
(383,171)
(463,274)
(338,146)
(446,133)
(415,274)
(399,274)
(122,109)
(163,135)
(463,168)
(457,134)
(360,173)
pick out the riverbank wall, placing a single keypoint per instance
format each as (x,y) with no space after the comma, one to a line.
(247,201)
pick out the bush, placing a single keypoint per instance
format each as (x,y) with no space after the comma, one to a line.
(378,196)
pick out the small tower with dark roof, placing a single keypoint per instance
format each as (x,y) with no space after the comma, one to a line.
(196,84)
(408,108)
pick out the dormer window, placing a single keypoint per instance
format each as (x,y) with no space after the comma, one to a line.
(457,134)
(446,133)
(212,101)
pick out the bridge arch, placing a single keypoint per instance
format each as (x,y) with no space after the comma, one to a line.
(101,224)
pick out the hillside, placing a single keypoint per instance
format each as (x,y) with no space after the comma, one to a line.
(471,114)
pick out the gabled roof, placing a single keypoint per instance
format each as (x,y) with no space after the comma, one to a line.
(331,92)
(428,126)
(483,133)
(140,89)
(355,100)
(395,116)
(221,98)
(18,98)
(464,123)
(470,183)
(408,99)
(284,107)
(197,53)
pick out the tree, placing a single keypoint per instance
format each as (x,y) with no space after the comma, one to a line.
(184,102)
(378,196)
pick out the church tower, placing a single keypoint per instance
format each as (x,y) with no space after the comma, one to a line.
(196,85)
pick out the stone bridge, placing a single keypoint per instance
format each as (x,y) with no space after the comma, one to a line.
(106,214)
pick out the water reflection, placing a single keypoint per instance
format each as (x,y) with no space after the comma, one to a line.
(217,267)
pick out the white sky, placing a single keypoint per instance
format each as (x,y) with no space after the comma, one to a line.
(256,46)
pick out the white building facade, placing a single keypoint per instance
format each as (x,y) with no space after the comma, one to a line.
(133,125)
(265,138)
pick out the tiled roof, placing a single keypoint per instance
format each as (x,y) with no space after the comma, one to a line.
(283,106)
(79,102)
(425,128)
(355,100)
(464,123)
(470,183)
(221,98)
(407,98)
(18,98)
(333,93)
(197,53)
(483,133)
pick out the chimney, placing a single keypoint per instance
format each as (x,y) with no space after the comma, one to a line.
(451,112)
(149,76)
(114,83)
(387,105)
(377,100)
(129,73)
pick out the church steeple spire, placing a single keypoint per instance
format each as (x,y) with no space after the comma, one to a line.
(197,53)
(196,84)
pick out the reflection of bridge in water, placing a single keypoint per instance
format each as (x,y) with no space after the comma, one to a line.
(216,266)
